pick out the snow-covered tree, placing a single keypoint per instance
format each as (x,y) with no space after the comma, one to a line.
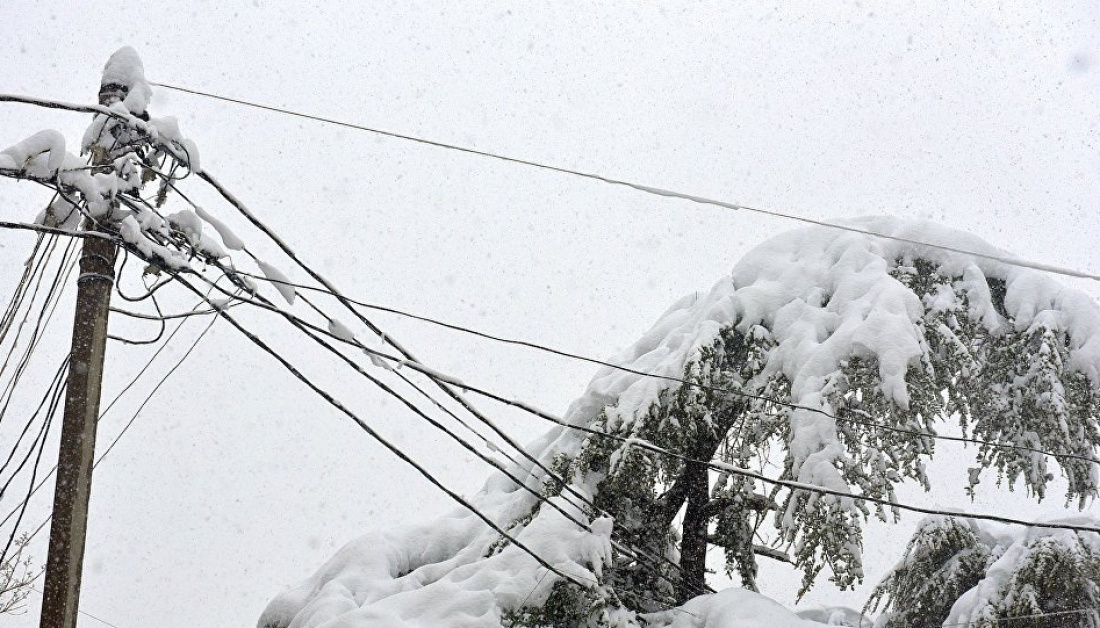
(826,358)
(956,572)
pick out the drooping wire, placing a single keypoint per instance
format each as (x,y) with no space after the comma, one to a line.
(41,445)
(647,189)
(42,321)
(331,400)
(118,396)
(677,380)
(392,342)
(720,467)
(854,496)
(363,425)
(57,380)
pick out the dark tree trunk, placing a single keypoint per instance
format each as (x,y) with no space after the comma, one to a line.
(693,487)
(693,547)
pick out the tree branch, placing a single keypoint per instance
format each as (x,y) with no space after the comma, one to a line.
(755,502)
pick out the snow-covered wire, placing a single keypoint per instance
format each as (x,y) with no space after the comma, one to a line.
(716,466)
(43,229)
(678,380)
(446,386)
(397,451)
(648,189)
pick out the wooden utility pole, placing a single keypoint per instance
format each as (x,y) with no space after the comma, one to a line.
(74,469)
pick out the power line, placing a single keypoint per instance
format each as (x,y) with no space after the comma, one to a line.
(702,200)
(446,383)
(335,403)
(374,434)
(119,396)
(649,189)
(136,413)
(658,191)
(642,444)
(442,383)
(445,386)
(679,380)
(84,613)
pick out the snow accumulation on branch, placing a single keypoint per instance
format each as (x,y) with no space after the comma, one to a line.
(827,308)
(956,572)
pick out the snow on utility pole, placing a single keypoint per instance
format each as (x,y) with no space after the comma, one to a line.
(74,469)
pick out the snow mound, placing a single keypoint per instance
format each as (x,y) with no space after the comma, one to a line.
(732,608)
(825,296)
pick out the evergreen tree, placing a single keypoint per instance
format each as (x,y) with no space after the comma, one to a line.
(956,572)
(827,358)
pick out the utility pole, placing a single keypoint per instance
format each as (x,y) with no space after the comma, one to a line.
(68,531)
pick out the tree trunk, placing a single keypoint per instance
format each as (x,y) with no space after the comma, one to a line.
(693,547)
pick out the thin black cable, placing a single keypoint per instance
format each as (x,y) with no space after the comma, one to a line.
(117,397)
(16,300)
(45,315)
(139,124)
(670,378)
(34,471)
(301,324)
(312,331)
(378,437)
(54,393)
(149,291)
(643,444)
(155,339)
(1058,270)
(229,197)
(450,392)
(166,317)
(796,485)
(813,488)
(83,612)
(720,467)
(57,378)
(329,289)
(42,229)
(36,277)
(160,383)
(648,446)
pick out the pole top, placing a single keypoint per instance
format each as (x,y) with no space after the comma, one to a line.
(124,81)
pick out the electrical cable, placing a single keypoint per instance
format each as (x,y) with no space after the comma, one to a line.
(717,389)
(1012,261)
(226,194)
(721,467)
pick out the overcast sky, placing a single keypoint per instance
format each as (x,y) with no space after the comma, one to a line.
(236,482)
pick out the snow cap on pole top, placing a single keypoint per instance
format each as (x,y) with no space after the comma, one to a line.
(124,80)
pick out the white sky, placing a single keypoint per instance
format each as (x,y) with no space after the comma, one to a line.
(235,481)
